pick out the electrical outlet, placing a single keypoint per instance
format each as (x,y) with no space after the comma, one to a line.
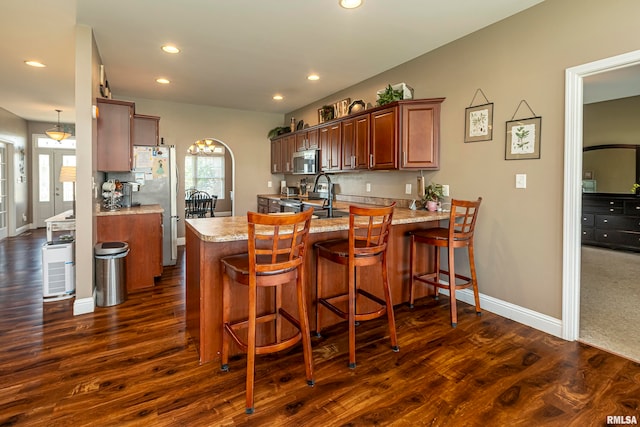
(269,184)
(445,190)
(407,189)
(368,187)
(521,180)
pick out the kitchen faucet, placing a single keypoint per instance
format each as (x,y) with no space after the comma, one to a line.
(329,192)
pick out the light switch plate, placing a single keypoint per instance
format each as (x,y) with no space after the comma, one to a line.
(407,189)
(445,190)
(521,180)
(368,187)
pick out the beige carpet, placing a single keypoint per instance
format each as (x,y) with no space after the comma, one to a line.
(610,301)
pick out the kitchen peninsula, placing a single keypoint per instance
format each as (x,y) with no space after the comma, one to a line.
(210,239)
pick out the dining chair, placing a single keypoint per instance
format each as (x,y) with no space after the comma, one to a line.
(366,246)
(458,234)
(276,256)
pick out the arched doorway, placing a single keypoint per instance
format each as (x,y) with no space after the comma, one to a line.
(209,165)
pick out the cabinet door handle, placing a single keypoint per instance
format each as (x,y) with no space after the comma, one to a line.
(611,203)
(611,210)
(404,158)
(370,160)
(638,208)
(605,235)
(605,221)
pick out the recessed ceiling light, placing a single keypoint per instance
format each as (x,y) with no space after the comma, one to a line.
(350,4)
(163,81)
(170,48)
(313,77)
(278,97)
(35,64)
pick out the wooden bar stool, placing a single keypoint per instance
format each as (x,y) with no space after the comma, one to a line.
(366,246)
(277,246)
(459,234)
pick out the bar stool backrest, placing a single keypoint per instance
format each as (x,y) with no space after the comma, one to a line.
(369,229)
(462,220)
(277,243)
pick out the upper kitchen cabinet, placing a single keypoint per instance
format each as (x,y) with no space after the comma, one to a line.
(330,146)
(307,140)
(355,142)
(384,139)
(115,135)
(276,155)
(146,130)
(420,134)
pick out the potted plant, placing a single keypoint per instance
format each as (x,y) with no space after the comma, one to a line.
(432,194)
(635,188)
(389,95)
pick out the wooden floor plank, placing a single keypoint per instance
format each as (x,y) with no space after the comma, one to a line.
(134,364)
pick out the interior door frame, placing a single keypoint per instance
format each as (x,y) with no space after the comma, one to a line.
(572,224)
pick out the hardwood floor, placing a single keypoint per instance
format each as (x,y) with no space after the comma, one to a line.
(134,365)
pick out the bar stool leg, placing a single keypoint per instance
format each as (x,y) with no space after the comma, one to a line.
(387,296)
(452,288)
(305,330)
(226,314)
(412,269)
(352,316)
(436,265)
(476,292)
(318,294)
(251,347)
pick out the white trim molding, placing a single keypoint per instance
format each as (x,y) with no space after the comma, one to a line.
(571,235)
(531,318)
(83,306)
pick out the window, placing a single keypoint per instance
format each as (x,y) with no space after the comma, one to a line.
(205,173)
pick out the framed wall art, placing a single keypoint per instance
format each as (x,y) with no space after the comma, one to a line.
(523,139)
(478,123)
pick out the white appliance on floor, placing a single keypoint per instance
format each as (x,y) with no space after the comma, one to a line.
(58,271)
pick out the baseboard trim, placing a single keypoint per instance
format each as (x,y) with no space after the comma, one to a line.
(23,229)
(83,306)
(522,315)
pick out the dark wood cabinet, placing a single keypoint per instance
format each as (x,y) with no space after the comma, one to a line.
(400,135)
(307,140)
(611,220)
(143,233)
(114,135)
(146,130)
(384,139)
(355,142)
(420,135)
(330,147)
(276,155)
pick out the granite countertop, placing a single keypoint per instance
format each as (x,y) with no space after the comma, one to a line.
(232,228)
(135,210)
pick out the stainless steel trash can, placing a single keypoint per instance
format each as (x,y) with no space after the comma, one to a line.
(111,283)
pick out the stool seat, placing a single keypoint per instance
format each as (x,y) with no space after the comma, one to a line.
(366,246)
(459,234)
(276,257)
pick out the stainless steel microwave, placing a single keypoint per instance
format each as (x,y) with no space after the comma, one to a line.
(306,162)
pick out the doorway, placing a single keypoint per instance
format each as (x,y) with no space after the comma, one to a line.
(572,224)
(51,197)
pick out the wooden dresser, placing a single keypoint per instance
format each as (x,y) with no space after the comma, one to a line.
(611,220)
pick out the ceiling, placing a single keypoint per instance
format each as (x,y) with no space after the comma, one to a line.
(234,54)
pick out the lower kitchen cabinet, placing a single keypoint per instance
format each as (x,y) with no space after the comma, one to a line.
(143,233)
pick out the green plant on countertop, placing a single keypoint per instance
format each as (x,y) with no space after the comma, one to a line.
(635,188)
(277,131)
(432,193)
(389,95)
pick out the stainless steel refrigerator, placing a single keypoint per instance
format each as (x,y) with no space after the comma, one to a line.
(155,169)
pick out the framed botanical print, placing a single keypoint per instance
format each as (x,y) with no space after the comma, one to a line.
(523,139)
(478,123)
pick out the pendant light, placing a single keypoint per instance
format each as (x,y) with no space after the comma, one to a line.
(57,133)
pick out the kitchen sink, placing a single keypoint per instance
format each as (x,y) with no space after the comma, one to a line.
(323,214)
